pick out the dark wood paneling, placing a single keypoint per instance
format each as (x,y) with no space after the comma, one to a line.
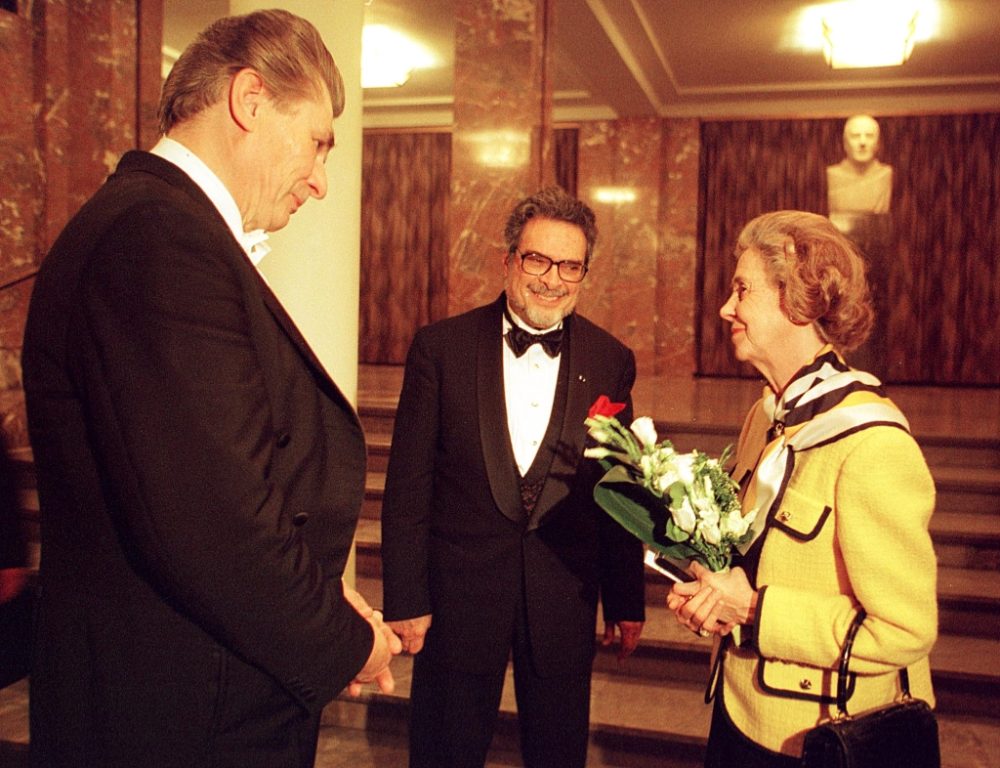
(941,273)
(564,157)
(404,240)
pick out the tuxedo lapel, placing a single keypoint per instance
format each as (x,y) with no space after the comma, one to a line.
(291,330)
(568,448)
(498,455)
(145,162)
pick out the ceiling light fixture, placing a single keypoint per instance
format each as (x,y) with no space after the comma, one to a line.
(865,34)
(388,57)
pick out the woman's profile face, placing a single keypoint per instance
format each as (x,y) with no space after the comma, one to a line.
(758,325)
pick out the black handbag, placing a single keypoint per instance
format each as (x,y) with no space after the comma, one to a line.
(902,734)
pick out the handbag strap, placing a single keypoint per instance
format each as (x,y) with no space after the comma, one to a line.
(845,657)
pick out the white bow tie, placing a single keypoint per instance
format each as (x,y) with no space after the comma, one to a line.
(255,245)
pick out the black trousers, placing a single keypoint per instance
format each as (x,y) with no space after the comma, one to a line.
(728,746)
(15,637)
(454,714)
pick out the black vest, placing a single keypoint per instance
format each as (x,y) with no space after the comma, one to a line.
(532,483)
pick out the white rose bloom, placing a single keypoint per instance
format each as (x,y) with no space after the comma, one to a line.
(645,430)
(684,517)
(732,525)
(684,463)
(599,435)
(664,481)
(710,532)
(664,453)
(701,501)
(709,515)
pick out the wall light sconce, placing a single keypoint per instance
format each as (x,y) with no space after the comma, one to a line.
(388,57)
(615,195)
(866,34)
(501,149)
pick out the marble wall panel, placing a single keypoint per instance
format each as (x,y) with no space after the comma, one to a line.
(102,90)
(20,181)
(68,110)
(619,171)
(20,215)
(496,142)
(676,268)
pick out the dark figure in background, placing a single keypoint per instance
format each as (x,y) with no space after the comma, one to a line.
(199,474)
(491,542)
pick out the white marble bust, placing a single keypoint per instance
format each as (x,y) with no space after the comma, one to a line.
(859,183)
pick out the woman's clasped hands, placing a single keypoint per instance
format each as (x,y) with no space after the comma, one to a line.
(715,602)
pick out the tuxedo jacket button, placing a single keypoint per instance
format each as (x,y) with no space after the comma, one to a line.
(299,518)
(282,439)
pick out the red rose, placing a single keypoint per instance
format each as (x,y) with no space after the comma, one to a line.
(604,407)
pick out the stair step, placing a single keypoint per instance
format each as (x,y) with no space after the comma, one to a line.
(377,416)
(959,488)
(378,453)
(672,662)
(963,662)
(371,730)
(371,506)
(631,718)
(966,540)
(968,598)
(967,489)
(961,539)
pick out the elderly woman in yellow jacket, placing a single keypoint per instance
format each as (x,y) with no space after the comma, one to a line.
(843,499)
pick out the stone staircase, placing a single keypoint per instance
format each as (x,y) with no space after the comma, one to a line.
(649,710)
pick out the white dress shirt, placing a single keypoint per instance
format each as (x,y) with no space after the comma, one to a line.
(529,384)
(253,243)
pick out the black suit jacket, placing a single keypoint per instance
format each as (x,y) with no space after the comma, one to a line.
(199,479)
(456,542)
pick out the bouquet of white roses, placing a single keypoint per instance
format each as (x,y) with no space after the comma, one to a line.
(683,506)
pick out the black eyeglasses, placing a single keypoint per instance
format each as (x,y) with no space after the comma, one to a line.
(537,264)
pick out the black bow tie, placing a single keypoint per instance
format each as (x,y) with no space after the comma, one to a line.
(520,339)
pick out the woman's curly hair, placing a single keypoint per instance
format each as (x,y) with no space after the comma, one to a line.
(818,271)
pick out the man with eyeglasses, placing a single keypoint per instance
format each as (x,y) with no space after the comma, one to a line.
(492,546)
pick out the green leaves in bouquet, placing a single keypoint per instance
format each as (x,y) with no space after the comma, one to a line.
(624,494)
(642,513)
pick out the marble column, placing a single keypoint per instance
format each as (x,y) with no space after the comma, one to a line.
(502,135)
(314,264)
(641,177)
(68,111)
(677,265)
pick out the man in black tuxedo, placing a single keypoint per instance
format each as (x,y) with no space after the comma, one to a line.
(199,473)
(492,546)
